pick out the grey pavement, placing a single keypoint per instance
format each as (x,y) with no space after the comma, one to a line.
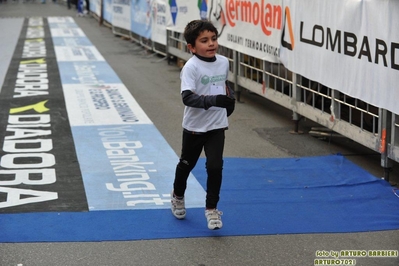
(258,128)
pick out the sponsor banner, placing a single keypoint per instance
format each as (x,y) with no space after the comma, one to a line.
(344,45)
(67,32)
(129,167)
(90,73)
(38,164)
(78,53)
(141,18)
(52,20)
(251,27)
(9,37)
(108,104)
(121,16)
(63,25)
(95,7)
(161,19)
(107,11)
(71,41)
(182,12)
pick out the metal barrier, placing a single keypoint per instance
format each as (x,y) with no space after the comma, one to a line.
(120,32)
(393,146)
(368,125)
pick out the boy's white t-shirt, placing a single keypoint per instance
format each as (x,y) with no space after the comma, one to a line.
(205,78)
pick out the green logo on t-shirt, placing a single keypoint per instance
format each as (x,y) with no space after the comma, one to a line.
(205,79)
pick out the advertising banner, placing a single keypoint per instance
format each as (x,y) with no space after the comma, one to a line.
(141,18)
(161,19)
(251,27)
(95,7)
(107,11)
(345,45)
(121,15)
(182,12)
(38,163)
(109,104)
(98,7)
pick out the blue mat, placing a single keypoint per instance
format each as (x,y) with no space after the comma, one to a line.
(327,194)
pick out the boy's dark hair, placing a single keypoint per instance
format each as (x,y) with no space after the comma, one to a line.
(195,27)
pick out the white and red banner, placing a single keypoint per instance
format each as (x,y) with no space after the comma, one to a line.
(250,27)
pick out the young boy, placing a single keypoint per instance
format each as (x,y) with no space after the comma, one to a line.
(208,101)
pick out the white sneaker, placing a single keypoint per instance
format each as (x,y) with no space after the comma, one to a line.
(214,219)
(177,206)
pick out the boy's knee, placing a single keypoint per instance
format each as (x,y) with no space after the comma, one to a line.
(184,165)
(214,165)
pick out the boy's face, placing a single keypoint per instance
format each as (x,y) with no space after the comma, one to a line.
(206,44)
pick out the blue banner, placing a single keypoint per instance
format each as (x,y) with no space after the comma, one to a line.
(141,18)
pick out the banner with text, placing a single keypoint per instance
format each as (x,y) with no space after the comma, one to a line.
(161,19)
(121,14)
(250,27)
(344,45)
(182,12)
(39,169)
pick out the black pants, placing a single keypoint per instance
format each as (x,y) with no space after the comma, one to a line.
(212,143)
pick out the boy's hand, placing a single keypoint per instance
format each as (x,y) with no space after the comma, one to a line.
(224,101)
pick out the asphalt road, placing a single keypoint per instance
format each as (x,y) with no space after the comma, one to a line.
(258,129)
